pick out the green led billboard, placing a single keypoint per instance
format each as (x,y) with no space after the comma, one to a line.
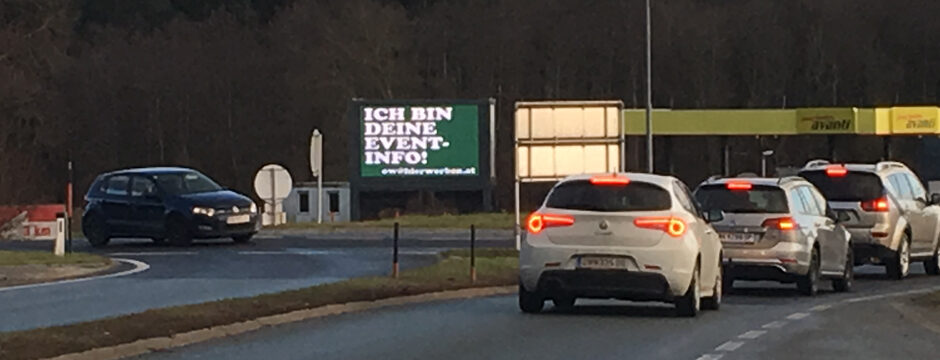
(419,141)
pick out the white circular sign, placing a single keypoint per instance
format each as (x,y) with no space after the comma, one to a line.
(273,182)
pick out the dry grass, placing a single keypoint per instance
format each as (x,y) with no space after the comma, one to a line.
(14,258)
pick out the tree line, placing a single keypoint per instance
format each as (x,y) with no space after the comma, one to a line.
(227,86)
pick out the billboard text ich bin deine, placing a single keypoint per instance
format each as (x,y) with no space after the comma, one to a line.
(420,140)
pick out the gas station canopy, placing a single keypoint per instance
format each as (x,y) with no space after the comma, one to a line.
(906,120)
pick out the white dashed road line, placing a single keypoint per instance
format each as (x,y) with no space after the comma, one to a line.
(729,346)
(753,334)
(711,357)
(798,316)
(774,324)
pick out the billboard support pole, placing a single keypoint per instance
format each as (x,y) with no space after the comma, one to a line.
(516,230)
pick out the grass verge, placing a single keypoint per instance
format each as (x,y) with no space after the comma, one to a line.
(481,220)
(449,274)
(14,258)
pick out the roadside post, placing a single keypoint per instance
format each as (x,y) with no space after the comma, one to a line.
(473,255)
(395,253)
(68,210)
(59,249)
(316,166)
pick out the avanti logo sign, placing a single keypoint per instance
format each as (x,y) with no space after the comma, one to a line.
(826,121)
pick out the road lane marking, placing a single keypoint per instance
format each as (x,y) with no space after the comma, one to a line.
(155,253)
(820,308)
(711,357)
(753,334)
(797,316)
(139,266)
(729,346)
(774,324)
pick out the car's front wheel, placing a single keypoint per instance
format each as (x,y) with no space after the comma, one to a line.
(530,302)
(844,284)
(809,283)
(714,302)
(689,304)
(932,265)
(178,231)
(899,266)
(96,231)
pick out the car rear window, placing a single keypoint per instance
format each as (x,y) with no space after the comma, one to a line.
(759,199)
(582,195)
(854,186)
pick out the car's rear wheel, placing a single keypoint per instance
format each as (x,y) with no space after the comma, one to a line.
(932,265)
(564,302)
(178,231)
(689,303)
(809,284)
(899,266)
(241,239)
(844,284)
(96,231)
(530,302)
(714,302)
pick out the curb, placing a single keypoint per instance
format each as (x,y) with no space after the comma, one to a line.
(145,346)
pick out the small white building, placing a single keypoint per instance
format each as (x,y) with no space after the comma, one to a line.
(301,204)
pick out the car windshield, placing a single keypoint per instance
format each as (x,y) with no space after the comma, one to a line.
(185,183)
(854,186)
(582,195)
(759,199)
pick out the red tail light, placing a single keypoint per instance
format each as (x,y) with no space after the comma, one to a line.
(538,222)
(877,205)
(739,185)
(836,171)
(784,223)
(610,180)
(675,227)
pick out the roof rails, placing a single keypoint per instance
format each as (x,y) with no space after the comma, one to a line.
(816,163)
(889,164)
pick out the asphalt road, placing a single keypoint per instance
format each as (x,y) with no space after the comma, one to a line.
(204,272)
(763,321)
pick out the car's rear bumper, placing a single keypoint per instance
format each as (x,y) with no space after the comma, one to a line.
(783,262)
(673,260)
(217,227)
(605,284)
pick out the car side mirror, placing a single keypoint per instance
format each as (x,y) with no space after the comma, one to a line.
(713,215)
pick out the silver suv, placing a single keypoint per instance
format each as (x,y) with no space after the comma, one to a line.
(887,211)
(780,230)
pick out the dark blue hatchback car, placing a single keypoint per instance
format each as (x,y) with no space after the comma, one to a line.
(165,204)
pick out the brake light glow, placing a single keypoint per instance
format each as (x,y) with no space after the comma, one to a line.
(836,171)
(538,222)
(783,224)
(675,227)
(739,185)
(610,180)
(877,205)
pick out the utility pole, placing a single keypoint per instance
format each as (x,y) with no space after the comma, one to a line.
(649,92)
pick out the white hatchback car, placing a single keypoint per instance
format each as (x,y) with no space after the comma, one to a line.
(628,236)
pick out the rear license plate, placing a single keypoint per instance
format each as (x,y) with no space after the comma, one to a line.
(238,219)
(739,237)
(604,262)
